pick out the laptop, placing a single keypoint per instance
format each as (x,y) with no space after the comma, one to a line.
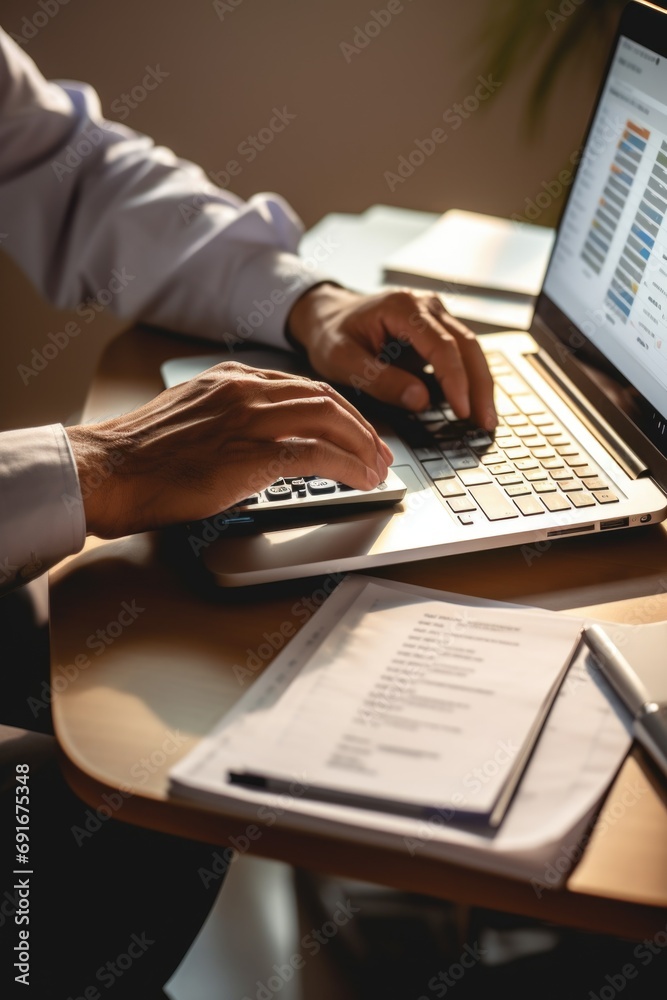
(582,396)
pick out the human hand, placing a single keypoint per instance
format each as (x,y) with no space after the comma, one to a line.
(344,332)
(200,447)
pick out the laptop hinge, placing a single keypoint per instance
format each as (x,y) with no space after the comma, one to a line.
(629,461)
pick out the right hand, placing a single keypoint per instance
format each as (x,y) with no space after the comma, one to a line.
(202,446)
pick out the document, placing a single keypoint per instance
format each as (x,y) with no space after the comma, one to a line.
(410,704)
(581,747)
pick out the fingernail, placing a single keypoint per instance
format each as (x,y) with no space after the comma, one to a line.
(382,468)
(372,478)
(491,421)
(413,397)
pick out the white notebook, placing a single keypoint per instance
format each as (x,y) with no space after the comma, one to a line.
(468,251)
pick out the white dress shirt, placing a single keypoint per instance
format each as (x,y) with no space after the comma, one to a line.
(92,209)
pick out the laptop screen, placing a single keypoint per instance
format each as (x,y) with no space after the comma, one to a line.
(608,271)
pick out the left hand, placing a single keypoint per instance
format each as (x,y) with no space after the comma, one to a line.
(344,333)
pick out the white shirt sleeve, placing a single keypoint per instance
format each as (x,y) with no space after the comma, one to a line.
(92,210)
(41,508)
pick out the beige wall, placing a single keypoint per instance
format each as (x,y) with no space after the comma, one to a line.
(354,118)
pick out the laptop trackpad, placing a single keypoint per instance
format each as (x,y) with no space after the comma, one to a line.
(321,547)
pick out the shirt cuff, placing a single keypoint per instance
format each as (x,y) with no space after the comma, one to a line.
(263,296)
(41,509)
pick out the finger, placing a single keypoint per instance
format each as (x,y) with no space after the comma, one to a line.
(453,351)
(312,457)
(321,417)
(377,375)
(280,386)
(299,388)
(479,378)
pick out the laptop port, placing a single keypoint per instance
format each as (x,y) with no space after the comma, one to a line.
(570,531)
(617,522)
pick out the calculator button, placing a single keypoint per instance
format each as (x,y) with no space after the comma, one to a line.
(320,486)
(517,491)
(534,475)
(568,485)
(283,492)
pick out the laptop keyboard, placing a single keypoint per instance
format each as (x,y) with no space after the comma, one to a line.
(531,465)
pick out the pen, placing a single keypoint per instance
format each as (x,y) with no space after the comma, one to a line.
(526,752)
(649,723)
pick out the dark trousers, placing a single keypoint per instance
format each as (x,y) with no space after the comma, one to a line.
(110,914)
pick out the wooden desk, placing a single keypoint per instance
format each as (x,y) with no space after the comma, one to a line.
(155,679)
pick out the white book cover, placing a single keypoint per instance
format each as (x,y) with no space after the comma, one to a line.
(468,251)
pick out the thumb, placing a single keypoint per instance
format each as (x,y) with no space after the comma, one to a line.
(379,378)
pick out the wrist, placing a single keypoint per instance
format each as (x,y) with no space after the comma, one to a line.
(96,463)
(311,308)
